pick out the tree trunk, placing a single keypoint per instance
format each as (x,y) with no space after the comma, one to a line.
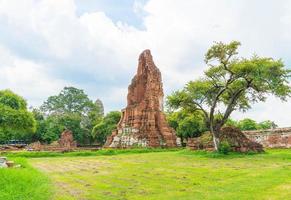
(215,135)
(216,141)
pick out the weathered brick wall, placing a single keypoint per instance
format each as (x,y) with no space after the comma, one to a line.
(272,138)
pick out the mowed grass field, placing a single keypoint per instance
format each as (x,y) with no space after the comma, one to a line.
(164,175)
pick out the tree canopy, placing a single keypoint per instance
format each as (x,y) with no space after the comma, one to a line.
(15,119)
(187,125)
(70,109)
(231,83)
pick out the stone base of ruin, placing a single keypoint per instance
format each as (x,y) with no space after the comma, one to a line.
(236,138)
(127,137)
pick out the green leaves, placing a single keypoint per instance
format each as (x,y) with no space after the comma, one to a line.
(69,100)
(231,83)
(70,109)
(12,100)
(187,125)
(106,126)
(222,52)
(15,119)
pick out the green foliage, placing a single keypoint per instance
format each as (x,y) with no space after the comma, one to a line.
(106,126)
(71,109)
(224,147)
(16,122)
(206,138)
(12,100)
(247,124)
(267,125)
(69,100)
(187,125)
(250,124)
(231,83)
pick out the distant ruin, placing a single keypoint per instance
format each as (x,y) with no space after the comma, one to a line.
(271,138)
(143,122)
(65,143)
(67,140)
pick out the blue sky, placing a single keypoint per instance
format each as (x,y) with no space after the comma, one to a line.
(94,45)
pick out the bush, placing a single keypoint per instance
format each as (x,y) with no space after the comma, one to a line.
(224,147)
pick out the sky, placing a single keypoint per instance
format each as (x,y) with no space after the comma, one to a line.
(94,45)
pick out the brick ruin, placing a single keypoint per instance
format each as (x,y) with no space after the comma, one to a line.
(235,138)
(67,140)
(143,122)
(272,138)
(65,143)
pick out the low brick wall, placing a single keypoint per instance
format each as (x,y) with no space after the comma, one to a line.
(272,138)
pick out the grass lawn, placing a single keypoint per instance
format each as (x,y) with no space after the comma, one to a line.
(24,183)
(158,175)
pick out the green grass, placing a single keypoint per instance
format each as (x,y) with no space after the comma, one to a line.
(25,183)
(151,174)
(40,154)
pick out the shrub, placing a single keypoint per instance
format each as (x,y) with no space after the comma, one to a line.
(224,147)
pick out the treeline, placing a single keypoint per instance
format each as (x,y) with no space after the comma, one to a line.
(189,125)
(70,109)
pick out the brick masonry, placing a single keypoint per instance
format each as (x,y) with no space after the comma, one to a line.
(272,138)
(143,122)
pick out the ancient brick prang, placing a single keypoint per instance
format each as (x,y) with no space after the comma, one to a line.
(143,122)
(272,138)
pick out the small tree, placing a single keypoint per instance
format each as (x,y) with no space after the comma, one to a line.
(106,126)
(267,125)
(231,83)
(247,124)
(187,125)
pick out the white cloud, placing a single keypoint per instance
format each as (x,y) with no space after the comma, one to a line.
(27,78)
(47,36)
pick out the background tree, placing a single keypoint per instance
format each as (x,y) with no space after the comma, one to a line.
(247,124)
(16,122)
(187,125)
(71,109)
(250,124)
(106,126)
(231,83)
(267,125)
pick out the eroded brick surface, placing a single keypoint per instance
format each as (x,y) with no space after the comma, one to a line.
(272,138)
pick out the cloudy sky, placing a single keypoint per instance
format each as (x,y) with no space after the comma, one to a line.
(94,44)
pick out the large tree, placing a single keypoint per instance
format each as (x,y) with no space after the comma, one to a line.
(16,122)
(231,83)
(70,109)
